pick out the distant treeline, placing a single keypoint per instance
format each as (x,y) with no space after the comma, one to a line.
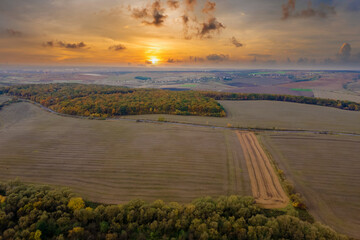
(110,101)
(41,212)
(346,105)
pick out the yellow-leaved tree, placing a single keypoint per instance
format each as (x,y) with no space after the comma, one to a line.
(37,235)
(76,203)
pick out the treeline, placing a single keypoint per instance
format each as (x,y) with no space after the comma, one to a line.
(346,105)
(41,212)
(110,101)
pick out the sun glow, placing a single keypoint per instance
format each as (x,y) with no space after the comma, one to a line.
(154,60)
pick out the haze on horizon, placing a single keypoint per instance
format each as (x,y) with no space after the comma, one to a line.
(182,33)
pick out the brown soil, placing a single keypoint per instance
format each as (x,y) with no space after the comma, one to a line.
(265,184)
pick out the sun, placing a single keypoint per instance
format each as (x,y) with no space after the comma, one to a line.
(154,60)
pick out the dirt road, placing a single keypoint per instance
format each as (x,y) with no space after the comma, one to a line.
(265,184)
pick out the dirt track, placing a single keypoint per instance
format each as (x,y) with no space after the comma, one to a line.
(265,184)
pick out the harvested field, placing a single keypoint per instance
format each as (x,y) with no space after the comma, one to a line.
(325,170)
(3,98)
(338,95)
(265,184)
(114,161)
(271,114)
(273,90)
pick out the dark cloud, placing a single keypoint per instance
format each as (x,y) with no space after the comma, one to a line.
(323,11)
(236,43)
(140,13)
(62,44)
(217,57)
(71,45)
(345,52)
(118,47)
(210,26)
(174,4)
(209,7)
(190,4)
(186,20)
(154,15)
(13,33)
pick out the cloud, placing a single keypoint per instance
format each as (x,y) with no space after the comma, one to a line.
(345,52)
(48,44)
(155,15)
(236,43)
(209,7)
(305,61)
(196,59)
(217,57)
(172,60)
(174,4)
(289,10)
(185,19)
(62,44)
(190,4)
(302,61)
(71,45)
(140,13)
(259,55)
(13,33)
(210,26)
(118,47)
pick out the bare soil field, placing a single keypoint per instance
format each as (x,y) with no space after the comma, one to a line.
(114,161)
(3,98)
(265,184)
(325,170)
(273,90)
(341,95)
(328,81)
(271,114)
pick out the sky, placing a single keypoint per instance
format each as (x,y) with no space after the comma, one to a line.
(182,33)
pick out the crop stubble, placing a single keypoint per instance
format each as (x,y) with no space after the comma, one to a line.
(325,170)
(265,184)
(115,161)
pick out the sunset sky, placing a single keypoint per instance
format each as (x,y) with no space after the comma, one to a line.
(233,33)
